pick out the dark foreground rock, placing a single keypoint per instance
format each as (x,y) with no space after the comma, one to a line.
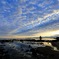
(38,53)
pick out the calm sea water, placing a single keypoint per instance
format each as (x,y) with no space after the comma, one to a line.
(48,39)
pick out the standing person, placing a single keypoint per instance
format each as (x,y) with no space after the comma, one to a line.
(40,38)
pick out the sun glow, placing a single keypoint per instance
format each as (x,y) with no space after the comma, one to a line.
(49,33)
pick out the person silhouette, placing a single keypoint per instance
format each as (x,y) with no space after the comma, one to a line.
(40,38)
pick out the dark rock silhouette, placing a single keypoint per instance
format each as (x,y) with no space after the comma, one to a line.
(37,53)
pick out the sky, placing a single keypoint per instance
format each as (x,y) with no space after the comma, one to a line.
(29,17)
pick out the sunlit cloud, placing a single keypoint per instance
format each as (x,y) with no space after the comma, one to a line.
(24,17)
(46,18)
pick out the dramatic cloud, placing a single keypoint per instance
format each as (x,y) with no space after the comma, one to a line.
(28,17)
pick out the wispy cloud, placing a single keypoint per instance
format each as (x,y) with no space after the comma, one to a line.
(49,17)
(24,17)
